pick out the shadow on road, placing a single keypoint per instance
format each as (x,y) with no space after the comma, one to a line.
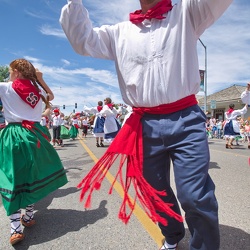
(53,223)
(65,221)
(231,238)
(213,165)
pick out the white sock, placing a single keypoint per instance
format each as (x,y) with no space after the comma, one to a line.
(15,223)
(29,213)
(168,246)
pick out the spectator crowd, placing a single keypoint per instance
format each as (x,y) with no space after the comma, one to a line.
(215,129)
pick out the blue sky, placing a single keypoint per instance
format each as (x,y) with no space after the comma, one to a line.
(30,29)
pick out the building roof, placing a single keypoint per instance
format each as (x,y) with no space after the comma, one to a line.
(232,93)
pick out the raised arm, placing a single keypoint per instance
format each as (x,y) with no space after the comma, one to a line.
(39,75)
(245,96)
(203,13)
(85,39)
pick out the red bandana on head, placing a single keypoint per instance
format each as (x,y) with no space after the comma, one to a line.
(156,12)
(27,91)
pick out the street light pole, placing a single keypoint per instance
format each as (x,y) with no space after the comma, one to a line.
(205,79)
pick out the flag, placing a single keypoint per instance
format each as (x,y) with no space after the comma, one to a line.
(202,84)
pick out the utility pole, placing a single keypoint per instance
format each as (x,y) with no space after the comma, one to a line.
(205,78)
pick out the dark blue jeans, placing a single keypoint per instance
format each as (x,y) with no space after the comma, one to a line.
(56,132)
(181,138)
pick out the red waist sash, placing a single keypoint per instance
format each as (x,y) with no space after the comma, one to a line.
(129,145)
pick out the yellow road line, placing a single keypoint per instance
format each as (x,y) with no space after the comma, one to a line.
(151,228)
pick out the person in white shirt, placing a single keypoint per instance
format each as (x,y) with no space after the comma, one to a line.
(85,125)
(232,125)
(74,127)
(245,96)
(98,122)
(155,55)
(30,167)
(219,129)
(57,121)
(111,125)
(45,119)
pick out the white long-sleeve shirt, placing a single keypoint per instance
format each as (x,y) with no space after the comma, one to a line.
(245,97)
(232,116)
(156,61)
(110,124)
(57,120)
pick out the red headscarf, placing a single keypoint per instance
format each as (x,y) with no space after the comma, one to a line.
(110,105)
(230,111)
(99,108)
(27,91)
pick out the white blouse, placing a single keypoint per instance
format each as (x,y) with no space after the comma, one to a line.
(15,109)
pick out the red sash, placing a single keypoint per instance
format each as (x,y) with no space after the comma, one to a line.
(30,125)
(129,145)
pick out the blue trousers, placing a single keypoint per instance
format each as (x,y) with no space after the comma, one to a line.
(181,137)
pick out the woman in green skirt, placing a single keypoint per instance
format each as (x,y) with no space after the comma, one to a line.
(30,167)
(73,132)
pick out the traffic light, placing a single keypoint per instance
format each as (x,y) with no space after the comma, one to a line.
(75,105)
(63,106)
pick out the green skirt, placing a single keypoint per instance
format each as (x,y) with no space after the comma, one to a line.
(30,167)
(64,133)
(73,132)
(47,133)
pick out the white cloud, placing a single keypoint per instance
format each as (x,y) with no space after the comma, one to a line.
(111,13)
(228,43)
(49,31)
(65,62)
(85,86)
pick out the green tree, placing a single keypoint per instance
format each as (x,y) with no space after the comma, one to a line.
(4,73)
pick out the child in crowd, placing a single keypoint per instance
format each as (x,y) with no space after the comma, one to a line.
(57,121)
(98,122)
(85,126)
(73,132)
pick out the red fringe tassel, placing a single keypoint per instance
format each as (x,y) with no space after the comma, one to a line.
(128,144)
(148,197)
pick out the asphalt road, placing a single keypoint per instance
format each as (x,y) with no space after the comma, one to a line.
(63,223)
